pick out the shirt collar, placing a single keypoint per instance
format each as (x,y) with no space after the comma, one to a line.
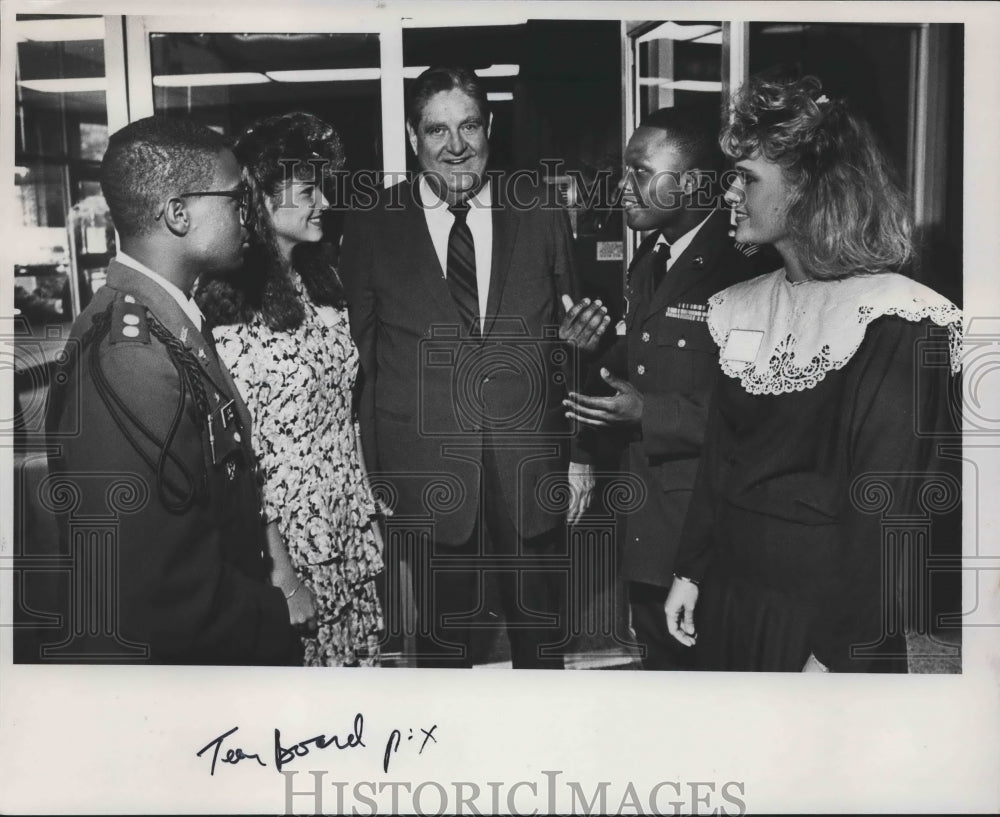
(483,198)
(684,241)
(187,304)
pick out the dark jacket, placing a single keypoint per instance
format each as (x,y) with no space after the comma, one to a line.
(432,397)
(669,355)
(187,580)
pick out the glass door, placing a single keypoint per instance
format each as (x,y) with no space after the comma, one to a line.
(228,74)
(60,134)
(670,63)
(67,92)
(228,77)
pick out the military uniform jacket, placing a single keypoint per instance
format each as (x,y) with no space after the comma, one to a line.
(134,443)
(668,354)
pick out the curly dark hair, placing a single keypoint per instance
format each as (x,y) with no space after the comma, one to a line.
(847,215)
(274,151)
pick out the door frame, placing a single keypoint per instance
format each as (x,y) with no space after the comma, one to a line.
(319,21)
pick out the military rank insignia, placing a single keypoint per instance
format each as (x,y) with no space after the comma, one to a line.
(128,322)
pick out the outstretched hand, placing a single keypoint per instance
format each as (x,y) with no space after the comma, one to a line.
(625,406)
(584,323)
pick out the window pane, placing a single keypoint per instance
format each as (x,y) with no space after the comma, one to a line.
(678,64)
(876,79)
(228,81)
(61,133)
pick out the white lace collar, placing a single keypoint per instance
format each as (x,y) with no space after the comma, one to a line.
(777,336)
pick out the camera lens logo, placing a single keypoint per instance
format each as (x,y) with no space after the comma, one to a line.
(973,405)
(38,362)
(508,384)
(523,369)
(980,387)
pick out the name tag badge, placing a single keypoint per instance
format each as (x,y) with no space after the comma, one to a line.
(223,432)
(742,346)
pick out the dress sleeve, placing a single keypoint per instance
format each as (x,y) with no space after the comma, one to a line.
(694,553)
(887,462)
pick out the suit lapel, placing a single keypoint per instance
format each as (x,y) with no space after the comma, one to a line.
(697,261)
(640,281)
(505,225)
(419,246)
(176,321)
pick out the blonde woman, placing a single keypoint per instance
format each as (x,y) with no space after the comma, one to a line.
(780,564)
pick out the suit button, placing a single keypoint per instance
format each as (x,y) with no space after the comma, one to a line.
(645,337)
(640,369)
(682,343)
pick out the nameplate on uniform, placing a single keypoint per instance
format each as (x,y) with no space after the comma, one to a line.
(688,312)
(223,432)
(742,346)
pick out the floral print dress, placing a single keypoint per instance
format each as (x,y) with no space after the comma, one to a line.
(298,388)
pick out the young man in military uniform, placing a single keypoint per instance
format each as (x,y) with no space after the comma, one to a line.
(661,371)
(151,429)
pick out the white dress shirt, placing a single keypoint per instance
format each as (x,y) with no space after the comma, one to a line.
(186,303)
(480,221)
(682,243)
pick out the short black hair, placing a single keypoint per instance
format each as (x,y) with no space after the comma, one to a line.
(150,159)
(694,129)
(437,79)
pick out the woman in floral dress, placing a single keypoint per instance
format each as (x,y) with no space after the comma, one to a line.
(281,326)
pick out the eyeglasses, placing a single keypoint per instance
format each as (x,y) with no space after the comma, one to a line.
(241,195)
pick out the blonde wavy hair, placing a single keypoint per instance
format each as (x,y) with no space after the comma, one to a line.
(846,216)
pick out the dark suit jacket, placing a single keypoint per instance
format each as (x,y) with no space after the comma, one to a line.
(430,395)
(669,355)
(192,582)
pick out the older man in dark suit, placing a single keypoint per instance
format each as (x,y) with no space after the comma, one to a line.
(662,370)
(455,283)
(150,433)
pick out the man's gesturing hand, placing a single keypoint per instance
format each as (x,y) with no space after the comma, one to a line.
(584,323)
(625,406)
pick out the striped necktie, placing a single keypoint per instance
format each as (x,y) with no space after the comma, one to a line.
(461,270)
